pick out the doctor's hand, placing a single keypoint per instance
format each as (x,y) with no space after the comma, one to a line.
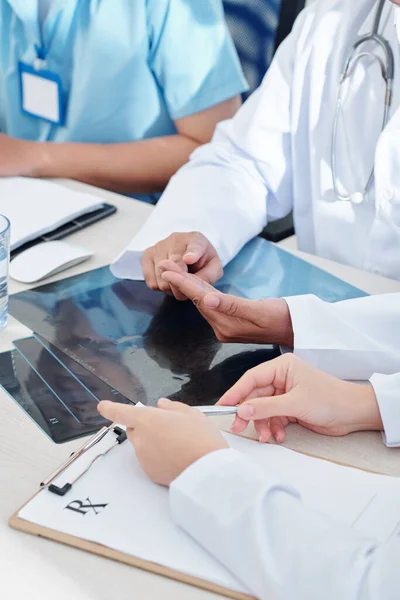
(18,157)
(233,319)
(288,390)
(167,439)
(190,251)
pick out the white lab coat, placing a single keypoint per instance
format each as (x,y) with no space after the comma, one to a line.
(275,154)
(278,547)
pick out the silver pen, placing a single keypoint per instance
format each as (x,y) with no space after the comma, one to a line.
(217,410)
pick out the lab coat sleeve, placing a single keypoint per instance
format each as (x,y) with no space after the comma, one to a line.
(352,339)
(387,392)
(232,186)
(273,543)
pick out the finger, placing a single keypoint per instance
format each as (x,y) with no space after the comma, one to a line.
(195,249)
(149,272)
(177,294)
(169,265)
(266,390)
(173,406)
(277,429)
(259,377)
(190,285)
(175,258)
(162,285)
(239,425)
(123,414)
(257,393)
(175,267)
(265,408)
(263,431)
(212,270)
(233,306)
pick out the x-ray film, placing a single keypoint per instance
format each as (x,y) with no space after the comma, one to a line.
(58,394)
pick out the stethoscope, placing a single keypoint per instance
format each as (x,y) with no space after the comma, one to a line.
(387,70)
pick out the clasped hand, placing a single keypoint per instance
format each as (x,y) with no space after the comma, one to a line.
(186,264)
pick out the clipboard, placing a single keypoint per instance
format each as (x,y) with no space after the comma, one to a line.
(147,537)
(20,524)
(75,542)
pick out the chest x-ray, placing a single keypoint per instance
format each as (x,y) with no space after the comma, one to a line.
(147,345)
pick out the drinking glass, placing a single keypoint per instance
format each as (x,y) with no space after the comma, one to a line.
(4,260)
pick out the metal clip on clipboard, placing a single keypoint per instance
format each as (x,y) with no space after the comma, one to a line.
(61,491)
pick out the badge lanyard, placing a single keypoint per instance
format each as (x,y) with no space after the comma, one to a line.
(41,89)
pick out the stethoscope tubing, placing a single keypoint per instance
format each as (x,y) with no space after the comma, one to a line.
(387,70)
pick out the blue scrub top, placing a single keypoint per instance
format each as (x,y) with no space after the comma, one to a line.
(128,68)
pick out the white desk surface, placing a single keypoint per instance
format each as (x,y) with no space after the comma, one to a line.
(38,569)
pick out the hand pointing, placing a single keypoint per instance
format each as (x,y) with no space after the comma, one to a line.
(233,319)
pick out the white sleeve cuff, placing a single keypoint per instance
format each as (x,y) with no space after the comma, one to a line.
(352,339)
(206,482)
(228,205)
(128,265)
(387,391)
(215,465)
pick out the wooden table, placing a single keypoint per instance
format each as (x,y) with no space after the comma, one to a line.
(35,568)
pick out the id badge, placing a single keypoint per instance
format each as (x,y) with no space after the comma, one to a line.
(41,94)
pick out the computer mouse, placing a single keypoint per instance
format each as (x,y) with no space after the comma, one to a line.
(46,259)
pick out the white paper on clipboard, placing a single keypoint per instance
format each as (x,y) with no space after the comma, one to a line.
(116,505)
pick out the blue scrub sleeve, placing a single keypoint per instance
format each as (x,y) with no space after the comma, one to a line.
(192,55)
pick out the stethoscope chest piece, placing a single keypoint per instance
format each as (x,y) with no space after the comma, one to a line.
(357,198)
